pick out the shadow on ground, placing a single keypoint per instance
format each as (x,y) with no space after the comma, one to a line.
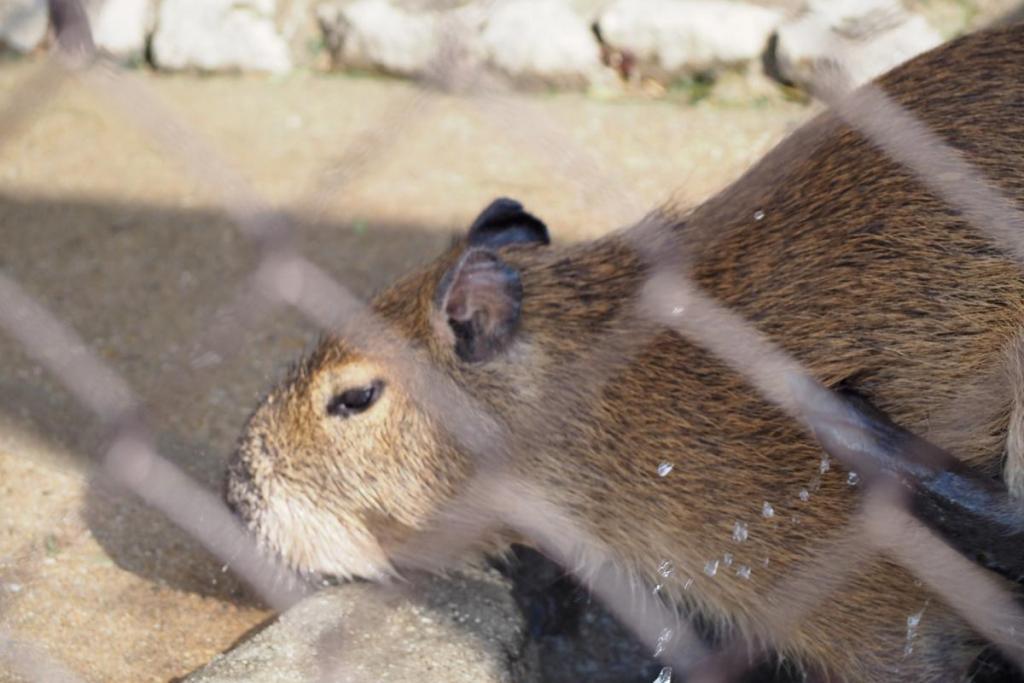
(142,285)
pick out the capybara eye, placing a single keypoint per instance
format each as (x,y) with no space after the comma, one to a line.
(355,401)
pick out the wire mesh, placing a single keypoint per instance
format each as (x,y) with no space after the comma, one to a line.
(284,277)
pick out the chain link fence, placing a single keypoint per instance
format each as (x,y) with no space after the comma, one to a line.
(284,277)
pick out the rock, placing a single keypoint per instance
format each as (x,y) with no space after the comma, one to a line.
(23,24)
(541,42)
(534,42)
(867,37)
(215,35)
(121,27)
(665,39)
(578,640)
(380,36)
(464,629)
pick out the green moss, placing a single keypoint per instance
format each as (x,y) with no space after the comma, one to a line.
(692,89)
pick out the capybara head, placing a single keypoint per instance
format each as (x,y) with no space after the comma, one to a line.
(343,461)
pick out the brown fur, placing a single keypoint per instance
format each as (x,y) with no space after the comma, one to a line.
(855,269)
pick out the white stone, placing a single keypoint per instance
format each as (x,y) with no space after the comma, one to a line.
(121,27)
(865,38)
(541,41)
(377,35)
(530,41)
(215,35)
(23,24)
(672,37)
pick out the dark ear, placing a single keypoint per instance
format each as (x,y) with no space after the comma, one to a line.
(479,300)
(506,222)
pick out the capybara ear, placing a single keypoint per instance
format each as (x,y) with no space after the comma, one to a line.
(505,222)
(480,300)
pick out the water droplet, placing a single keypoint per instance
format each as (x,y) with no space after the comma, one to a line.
(224,569)
(665,676)
(825,465)
(14,587)
(912,623)
(657,589)
(663,639)
(767,511)
(739,532)
(664,469)
(852,478)
(759,215)
(686,586)
(678,310)
(805,495)
(727,559)
(711,568)
(743,571)
(665,569)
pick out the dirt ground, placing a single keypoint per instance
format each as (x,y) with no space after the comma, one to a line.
(116,235)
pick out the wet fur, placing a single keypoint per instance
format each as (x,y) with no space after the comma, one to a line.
(855,269)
